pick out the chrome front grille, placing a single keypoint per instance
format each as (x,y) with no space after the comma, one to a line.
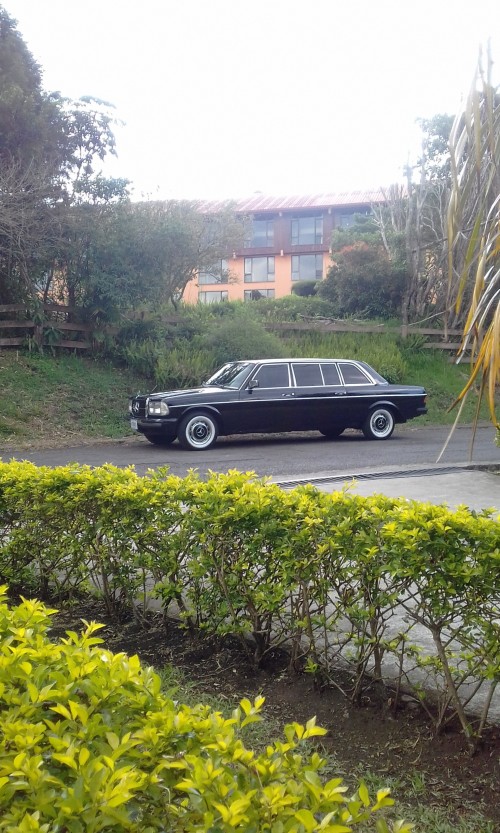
(139,407)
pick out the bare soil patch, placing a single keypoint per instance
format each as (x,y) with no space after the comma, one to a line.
(360,738)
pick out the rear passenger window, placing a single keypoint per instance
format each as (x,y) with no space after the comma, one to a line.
(273,376)
(307,375)
(331,374)
(353,375)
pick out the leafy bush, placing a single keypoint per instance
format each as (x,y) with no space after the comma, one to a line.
(294,307)
(305,289)
(142,356)
(364,281)
(184,366)
(240,337)
(90,743)
(322,574)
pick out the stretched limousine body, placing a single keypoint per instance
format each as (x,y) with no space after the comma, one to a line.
(278,395)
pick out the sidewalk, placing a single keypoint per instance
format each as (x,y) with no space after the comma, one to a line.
(477,488)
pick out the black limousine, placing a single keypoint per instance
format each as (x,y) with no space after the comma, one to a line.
(277,395)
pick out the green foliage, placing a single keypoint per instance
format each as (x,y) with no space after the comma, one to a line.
(184,366)
(90,743)
(435,159)
(240,337)
(474,233)
(322,574)
(30,127)
(382,352)
(46,399)
(294,308)
(305,289)
(364,281)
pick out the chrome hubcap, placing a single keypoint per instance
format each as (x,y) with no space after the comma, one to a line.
(200,432)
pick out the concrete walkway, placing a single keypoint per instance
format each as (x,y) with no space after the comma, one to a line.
(477,488)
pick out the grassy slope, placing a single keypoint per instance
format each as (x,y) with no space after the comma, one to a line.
(51,401)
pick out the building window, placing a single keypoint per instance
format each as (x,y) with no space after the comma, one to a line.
(346,220)
(307,231)
(218,273)
(259,269)
(212,297)
(261,234)
(256,294)
(307,267)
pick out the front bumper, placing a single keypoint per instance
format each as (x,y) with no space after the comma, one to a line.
(151,425)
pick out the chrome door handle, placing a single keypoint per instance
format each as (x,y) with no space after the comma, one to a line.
(283,395)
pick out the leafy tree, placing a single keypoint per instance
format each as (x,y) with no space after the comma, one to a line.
(48,150)
(416,214)
(30,120)
(118,254)
(435,158)
(474,231)
(176,241)
(364,281)
(28,204)
(88,135)
(30,125)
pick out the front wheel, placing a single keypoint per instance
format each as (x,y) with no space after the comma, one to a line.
(379,425)
(197,432)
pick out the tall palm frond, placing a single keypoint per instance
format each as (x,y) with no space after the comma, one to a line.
(474,233)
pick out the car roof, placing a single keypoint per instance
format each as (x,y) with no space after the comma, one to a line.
(280,359)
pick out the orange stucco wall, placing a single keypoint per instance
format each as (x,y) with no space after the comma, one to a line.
(282,283)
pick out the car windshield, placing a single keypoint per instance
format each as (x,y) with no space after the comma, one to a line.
(230,376)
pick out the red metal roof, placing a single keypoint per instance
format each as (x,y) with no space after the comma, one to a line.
(262,202)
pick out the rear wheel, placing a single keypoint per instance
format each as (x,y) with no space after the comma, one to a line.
(160,439)
(198,431)
(379,424)
(332,433)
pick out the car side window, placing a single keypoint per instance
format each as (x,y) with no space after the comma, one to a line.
(331,374)
(273,376)
(307,375)
(353,375)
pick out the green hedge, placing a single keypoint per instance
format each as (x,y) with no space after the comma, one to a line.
(89,743)
(346,583)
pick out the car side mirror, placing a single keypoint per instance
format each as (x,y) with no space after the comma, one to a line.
(253,383)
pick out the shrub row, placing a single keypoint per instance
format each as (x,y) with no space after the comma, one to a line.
(356,588)
(207,336)
(89,743)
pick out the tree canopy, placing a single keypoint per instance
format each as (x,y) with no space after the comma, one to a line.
(67,232)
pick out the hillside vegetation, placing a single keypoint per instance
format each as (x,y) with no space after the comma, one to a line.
(50,401)
(65,399)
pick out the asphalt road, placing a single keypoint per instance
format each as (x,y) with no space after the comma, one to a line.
(286,456)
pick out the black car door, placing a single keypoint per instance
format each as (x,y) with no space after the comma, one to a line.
(359,392)
(311,395)
(267,402)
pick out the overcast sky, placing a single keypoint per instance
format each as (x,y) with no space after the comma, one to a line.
(222,98)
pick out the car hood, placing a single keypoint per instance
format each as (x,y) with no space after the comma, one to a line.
(174,394)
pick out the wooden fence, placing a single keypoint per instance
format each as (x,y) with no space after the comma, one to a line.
(435,339)
(54,324)
(47,330)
